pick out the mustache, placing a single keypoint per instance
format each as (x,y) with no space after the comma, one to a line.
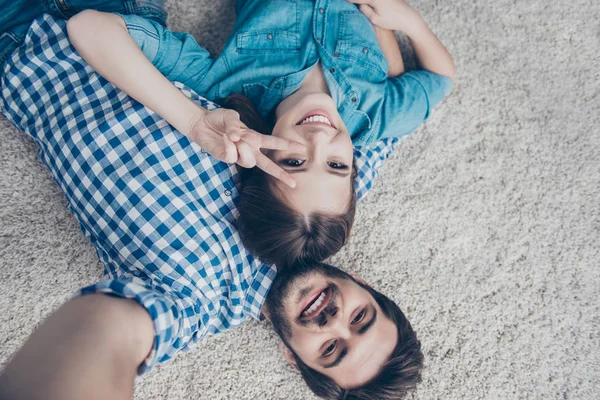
(328,311)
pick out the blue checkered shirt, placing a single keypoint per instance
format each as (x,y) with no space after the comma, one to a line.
(159,211)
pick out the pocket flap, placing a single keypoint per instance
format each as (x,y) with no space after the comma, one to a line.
(267,41)
(363,53)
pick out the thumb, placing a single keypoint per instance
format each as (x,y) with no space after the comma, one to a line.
(229,151)
(233,124)
(369,12)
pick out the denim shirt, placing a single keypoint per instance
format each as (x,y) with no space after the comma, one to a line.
(273,46)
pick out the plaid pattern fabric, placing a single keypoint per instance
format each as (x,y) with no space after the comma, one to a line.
(159,211)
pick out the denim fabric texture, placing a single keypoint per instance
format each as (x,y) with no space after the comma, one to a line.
(157,208)
(16,16)
(273,46)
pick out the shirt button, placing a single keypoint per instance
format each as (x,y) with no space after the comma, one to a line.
(365,50)
(321,10)
(227,192)
(278,86)
(332,70)
(202,151)
(336,54)
(354,99)
(270,36)
(319,40)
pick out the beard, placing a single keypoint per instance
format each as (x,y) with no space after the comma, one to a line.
(281,291)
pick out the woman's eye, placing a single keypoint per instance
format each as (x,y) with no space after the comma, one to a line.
(293,162)
(359,317)
(337,165)
(330,349)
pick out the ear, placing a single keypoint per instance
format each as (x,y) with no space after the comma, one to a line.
(287,354)
(359,279)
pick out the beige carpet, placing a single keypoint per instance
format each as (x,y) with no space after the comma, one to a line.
(484,226)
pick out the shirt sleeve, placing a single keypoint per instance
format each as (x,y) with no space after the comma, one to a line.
(176,55)
(409,100)
(167,310)
(368,159)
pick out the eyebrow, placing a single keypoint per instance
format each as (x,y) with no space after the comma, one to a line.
(361,332)
(333,172)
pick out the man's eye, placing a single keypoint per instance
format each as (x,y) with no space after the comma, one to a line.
(359,317)
(337,165)
(293,162)
(330,349)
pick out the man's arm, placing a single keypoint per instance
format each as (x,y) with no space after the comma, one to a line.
(89,349)
(391,51)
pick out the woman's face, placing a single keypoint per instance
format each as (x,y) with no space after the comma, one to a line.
(323,171)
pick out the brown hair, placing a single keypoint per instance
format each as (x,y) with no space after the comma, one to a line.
(399,375)
(270,229)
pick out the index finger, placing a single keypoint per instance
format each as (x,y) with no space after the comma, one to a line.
(277,143)
(263,162)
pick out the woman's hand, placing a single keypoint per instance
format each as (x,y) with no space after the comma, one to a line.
(395,15)
(221,133)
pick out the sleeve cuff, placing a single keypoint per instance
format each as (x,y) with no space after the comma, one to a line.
(145,33)
(162,310)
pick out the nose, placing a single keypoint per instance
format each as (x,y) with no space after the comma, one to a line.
(320,133)
(318,139)
(337,326)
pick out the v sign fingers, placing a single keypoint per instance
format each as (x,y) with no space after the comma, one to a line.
(261,141)
(263,162)
(277,143)
(246,156)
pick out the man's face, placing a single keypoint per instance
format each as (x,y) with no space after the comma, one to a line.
(333,324)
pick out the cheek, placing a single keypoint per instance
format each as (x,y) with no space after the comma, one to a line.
(305,345)
(281,128)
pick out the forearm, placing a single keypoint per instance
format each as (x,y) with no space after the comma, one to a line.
(429,50)
(89,349)
(115,55)
(391,51)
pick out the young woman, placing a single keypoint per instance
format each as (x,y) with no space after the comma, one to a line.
(314,71)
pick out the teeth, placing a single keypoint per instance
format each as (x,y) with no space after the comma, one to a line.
(317,118)
(316,304)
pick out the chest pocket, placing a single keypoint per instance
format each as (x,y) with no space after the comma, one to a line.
(357,46)
(267,41)
(272,28)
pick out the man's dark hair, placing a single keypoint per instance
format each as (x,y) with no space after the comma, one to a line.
(272,230)
(399,375)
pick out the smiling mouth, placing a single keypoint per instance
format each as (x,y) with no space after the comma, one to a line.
(317,305)
(317,117)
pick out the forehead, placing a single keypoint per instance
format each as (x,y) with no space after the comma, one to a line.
(317,192)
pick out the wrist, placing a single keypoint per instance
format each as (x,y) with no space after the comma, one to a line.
(196,116)
(415,25)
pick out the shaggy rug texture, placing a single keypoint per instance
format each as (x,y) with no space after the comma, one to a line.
(484,225)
